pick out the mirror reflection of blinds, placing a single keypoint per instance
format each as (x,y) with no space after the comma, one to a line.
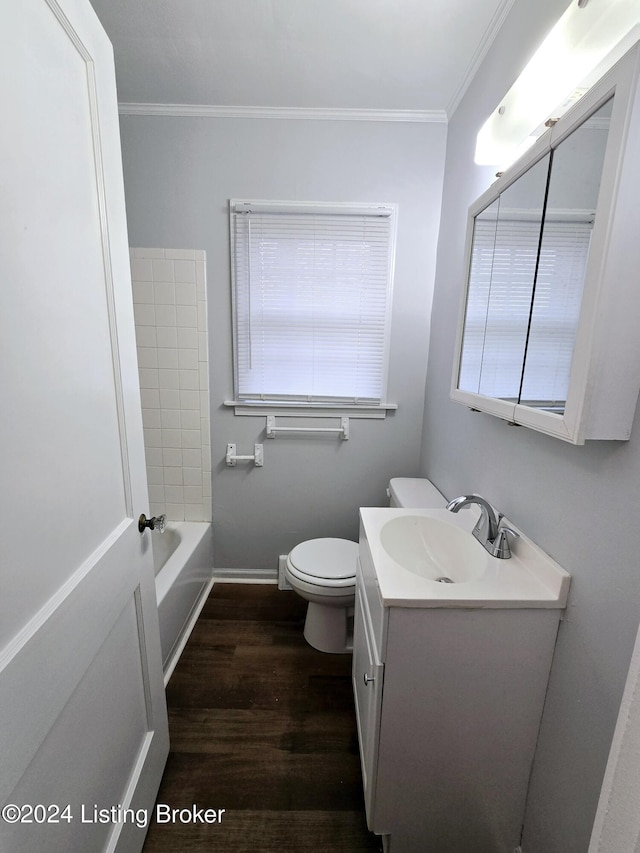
(312,294)
(503,270)
(554,318)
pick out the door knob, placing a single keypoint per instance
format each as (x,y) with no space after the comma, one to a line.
(156,523)
(368,679)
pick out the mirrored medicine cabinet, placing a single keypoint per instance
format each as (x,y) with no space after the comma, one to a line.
(549,333)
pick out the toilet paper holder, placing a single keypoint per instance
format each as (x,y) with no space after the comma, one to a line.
(257,458)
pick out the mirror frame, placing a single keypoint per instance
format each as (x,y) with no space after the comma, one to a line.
(605,368)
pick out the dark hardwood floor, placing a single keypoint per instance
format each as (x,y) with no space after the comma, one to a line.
(263,726)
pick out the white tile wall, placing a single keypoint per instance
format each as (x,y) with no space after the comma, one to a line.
(170,307)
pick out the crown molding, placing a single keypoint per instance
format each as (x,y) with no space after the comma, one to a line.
(481,51)
(292,113)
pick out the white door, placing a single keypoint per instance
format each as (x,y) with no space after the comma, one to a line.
(617,823)
(83,719)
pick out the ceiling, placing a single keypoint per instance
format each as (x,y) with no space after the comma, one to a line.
(387,55)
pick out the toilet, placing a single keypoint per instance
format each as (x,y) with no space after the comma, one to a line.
(414,492)
(323,571)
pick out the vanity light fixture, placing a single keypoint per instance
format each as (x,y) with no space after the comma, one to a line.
(587,40)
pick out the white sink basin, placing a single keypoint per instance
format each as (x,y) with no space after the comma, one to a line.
(433,549)
(429,558)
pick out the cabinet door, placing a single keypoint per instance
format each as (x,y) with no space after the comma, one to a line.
(367,688)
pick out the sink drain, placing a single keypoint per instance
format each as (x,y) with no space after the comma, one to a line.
(444,579)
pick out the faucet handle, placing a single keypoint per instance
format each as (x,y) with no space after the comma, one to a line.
(500,547)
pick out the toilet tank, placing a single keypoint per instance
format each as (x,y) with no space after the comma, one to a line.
(414,492)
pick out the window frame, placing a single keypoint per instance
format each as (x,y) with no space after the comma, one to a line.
(314,407)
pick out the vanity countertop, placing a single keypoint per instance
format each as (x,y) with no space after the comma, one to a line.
(528,579)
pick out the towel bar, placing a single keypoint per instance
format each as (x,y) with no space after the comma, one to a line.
(273,429)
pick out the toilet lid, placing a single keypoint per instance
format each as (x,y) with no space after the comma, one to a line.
(333,559)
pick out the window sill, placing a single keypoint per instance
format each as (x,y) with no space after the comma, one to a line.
(309,410)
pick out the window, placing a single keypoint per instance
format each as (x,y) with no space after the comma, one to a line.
(312,299)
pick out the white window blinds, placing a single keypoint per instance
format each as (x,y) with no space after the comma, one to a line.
(502,273)
(312,293)
(554,319)
(502,331)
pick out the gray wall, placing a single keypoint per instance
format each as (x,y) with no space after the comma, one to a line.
(581,504)
(179,175)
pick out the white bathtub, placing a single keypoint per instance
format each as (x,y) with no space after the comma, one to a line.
(183,559)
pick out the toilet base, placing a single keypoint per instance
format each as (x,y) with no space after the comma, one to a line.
(329,629)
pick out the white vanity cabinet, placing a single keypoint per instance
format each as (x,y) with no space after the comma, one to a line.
(448,704)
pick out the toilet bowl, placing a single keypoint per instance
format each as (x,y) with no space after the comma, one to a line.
(323,571)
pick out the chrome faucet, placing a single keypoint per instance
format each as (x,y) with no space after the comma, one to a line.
(488,531)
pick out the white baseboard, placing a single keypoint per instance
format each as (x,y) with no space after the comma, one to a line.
(245,575)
